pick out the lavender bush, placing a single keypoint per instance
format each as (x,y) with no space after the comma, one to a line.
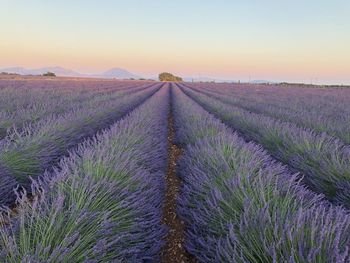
(103,203)
(51,104)
(240,205)
(323,160)
(330,114)
(37,148)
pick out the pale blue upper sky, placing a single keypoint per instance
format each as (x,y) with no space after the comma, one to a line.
(270,39)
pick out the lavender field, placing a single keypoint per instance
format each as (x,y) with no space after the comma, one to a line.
(97,170)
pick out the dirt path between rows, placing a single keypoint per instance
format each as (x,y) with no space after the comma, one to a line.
(174,250)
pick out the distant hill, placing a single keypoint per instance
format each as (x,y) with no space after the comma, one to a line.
(59,71)
(118,73)
(16,70)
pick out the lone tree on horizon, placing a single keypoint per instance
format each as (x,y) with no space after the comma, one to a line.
(166,76)
(49,74)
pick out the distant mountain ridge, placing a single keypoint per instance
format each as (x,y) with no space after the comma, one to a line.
(118,73)
(63,72)
(59,71)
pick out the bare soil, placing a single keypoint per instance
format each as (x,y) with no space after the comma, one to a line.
(174,250)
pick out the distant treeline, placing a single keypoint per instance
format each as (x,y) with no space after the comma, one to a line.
(165,76)
(49,74)
(6,73)
(304,85)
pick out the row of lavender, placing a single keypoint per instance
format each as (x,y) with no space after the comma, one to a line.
(322,160)
(103,203)
(333,100)
(28,154)
(241,206)
(323,110)
(18,110)
(15,94)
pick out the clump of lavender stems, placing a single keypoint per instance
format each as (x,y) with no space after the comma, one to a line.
(103,203)
(240,205)
(323,160)
(37,148)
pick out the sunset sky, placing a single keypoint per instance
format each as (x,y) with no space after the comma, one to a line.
(275,40)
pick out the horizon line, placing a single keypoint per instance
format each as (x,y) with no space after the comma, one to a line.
(195,77)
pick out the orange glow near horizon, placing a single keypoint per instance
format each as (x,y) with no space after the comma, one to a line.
(242,64)
(90,39)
